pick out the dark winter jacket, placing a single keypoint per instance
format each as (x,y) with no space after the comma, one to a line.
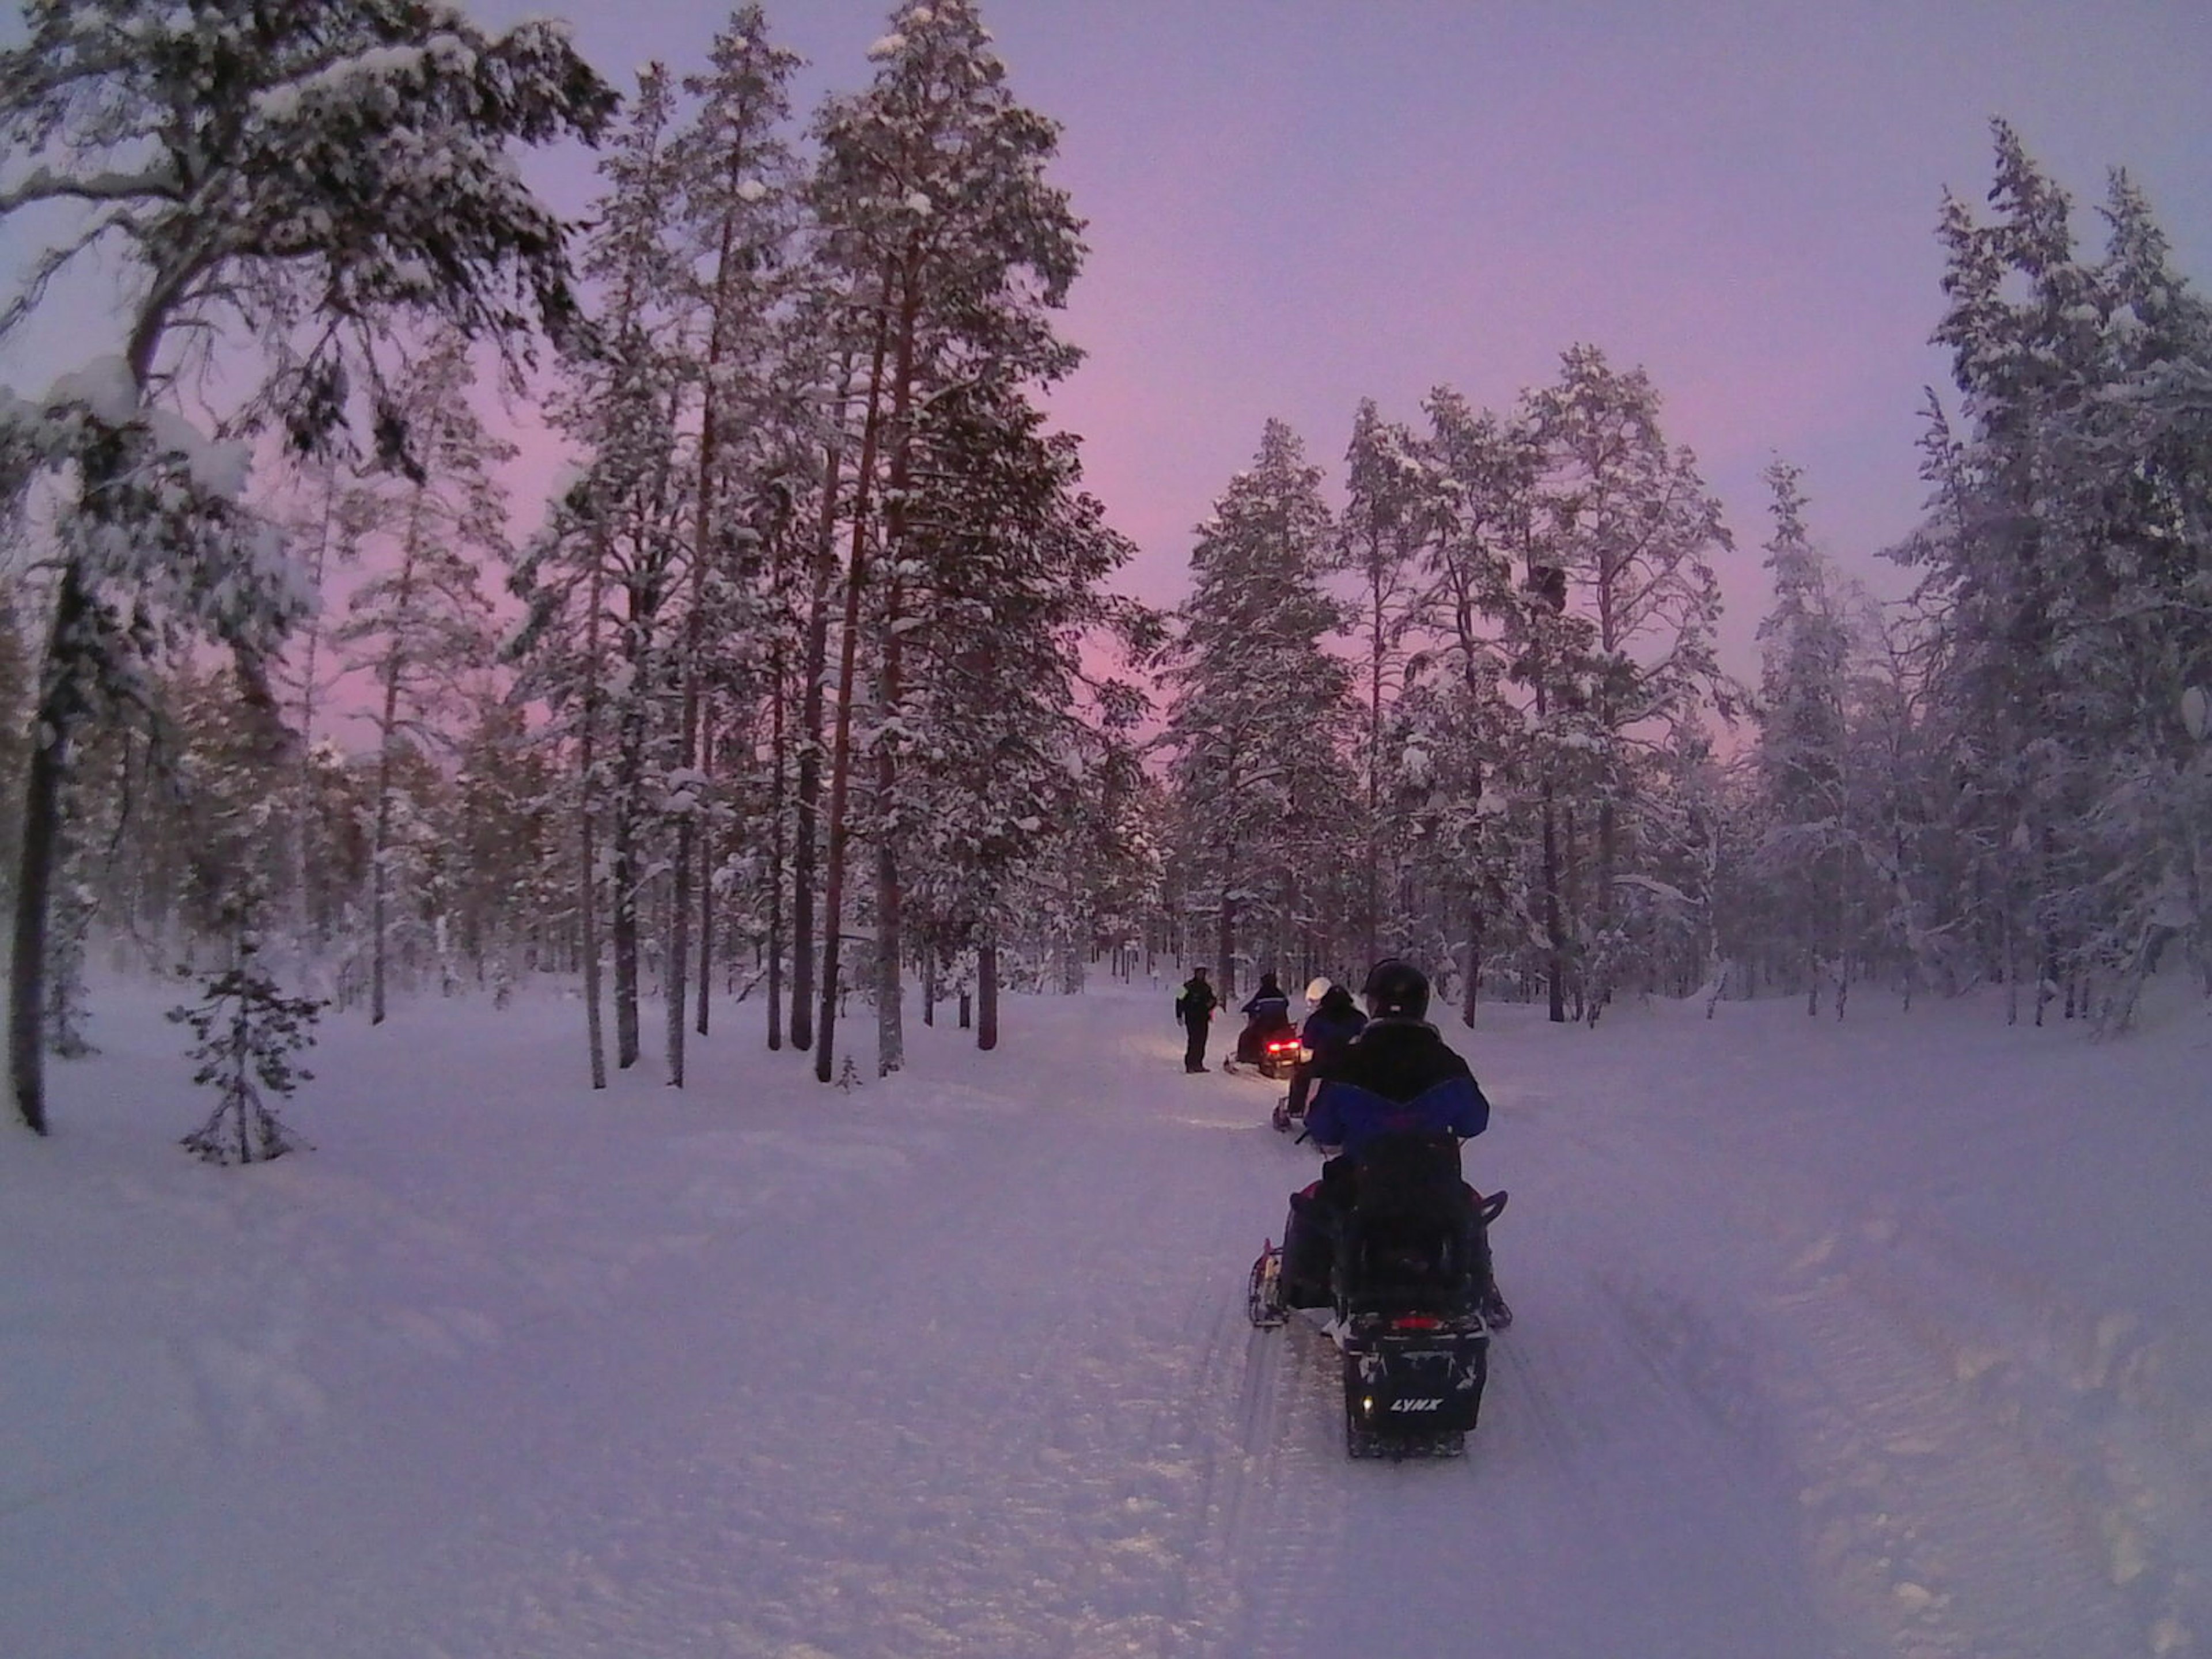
(1330,1027)
(1268,1007)
(1267,1011)
(1196,1004)
(1396,1075)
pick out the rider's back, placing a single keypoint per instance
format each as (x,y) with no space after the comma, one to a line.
(1396,1076)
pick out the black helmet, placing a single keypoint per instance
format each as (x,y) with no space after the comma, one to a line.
(1397,987)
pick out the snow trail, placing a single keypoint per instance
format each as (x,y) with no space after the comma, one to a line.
(956,1363)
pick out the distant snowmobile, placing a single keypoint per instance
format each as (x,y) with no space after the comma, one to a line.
(1271,1048)
(1407,1294)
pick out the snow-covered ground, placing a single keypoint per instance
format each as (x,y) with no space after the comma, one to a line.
(1893,1337)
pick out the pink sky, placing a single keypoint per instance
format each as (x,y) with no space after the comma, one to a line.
(1296,204)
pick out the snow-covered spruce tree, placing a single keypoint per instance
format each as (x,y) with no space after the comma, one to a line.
(1624,519)
(248,1030)
(932,199)
(2064,553)
(1261,712)
(418,625)
(278,179)
(1903,797)
(1805,668)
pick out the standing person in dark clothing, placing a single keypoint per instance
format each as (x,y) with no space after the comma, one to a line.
(1194,1008)
(1396,1076)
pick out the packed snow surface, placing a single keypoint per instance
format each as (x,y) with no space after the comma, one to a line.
(1890,1336)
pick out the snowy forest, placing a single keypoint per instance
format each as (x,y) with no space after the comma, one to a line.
(810,686)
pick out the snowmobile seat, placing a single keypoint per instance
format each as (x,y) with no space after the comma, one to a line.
(1408,1242)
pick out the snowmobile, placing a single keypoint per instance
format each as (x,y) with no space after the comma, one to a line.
(1280,1054)
(1274,1051)
(1407,1291)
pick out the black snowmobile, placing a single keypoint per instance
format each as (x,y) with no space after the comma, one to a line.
(1408,1289)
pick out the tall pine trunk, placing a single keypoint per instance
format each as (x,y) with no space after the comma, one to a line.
(63,707)
(707,758)
(387,735)
(891,1031)
(986,990)
(806,827)
(703,526)
(623,868)
(833,885)
(777,809)
(587,838)
(65,683)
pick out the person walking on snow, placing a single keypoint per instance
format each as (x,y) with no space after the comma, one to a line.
(1194,1008)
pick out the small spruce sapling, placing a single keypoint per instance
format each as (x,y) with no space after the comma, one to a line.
(248,1031)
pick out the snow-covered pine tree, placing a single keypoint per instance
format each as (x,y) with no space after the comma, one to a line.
(1625,520)
(598,580)
(1474,799)
(824,307)
(734,170)
(931,196)
(1903,797)
(280,179)
(1391,513)
(1700,839)
(510,882)
(1805,668)
(1261,712)
(323,536)
(418,625)
(1015,743)
(560,649)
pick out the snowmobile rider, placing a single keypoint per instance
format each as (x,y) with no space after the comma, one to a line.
(1396,1074)
(1329,1029)
(1267,1013)
(1195,1009)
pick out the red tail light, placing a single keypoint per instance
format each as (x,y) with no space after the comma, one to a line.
(1416,1323)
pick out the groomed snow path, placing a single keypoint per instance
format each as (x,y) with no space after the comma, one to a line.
(1819,1353)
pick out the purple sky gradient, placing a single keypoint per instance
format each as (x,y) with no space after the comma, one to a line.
(1296,204)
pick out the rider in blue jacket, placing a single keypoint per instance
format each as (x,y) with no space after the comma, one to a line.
(1396,1075)
(1329,1029)
(1267,1013)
